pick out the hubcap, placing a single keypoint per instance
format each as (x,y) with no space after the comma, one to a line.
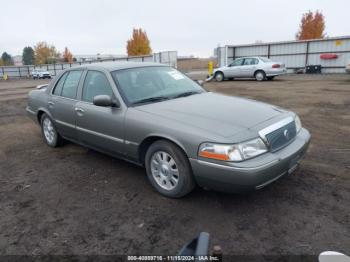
(259,76)
(164,170)
(219,77)
(49,131)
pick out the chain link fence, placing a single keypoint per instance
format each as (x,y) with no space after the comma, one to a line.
(166,57)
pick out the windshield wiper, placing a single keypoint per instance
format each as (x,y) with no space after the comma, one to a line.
(151,99)
(186,94)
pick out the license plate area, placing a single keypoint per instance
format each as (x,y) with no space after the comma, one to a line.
(293,164)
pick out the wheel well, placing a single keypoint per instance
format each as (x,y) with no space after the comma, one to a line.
(39,115)
(219,72)
(259,70)
(145,144)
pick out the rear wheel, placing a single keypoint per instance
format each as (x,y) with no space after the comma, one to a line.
(219,76)
(49,132)
(168,169)
(260,75)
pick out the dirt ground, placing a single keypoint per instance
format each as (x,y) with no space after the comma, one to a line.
(72,200)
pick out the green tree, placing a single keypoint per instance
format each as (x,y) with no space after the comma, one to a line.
(28,55)
(139,43)
(6,59)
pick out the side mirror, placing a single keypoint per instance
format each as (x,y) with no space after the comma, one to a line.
(200,82)
(197,247)
(105,100)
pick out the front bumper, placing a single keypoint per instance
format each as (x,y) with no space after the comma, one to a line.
(254,173)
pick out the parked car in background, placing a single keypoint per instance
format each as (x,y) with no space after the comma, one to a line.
(260,68)
(347,67)
(40,74)
(157,117)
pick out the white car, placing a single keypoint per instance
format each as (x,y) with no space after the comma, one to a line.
(347,67)
(40,74)
(260,68)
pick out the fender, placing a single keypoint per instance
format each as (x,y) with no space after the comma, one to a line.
(46,111)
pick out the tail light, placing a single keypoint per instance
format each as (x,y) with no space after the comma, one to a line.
(276,66)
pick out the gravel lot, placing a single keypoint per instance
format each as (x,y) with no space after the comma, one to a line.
(73,200)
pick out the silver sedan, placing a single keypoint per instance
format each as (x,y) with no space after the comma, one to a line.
(260,68)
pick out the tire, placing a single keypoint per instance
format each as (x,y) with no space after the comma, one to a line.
(49,132)
(270,78)
(161,170)
(219,76)
(260,75)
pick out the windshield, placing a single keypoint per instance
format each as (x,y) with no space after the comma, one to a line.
(152,84)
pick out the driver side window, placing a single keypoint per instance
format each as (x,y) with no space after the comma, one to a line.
(236,62)
(96,83)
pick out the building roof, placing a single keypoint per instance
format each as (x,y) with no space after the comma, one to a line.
(292,41)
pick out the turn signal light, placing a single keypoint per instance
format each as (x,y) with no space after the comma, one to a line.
(276,66)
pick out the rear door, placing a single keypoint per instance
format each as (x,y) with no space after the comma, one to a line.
(97,126)
(62,103)
(249,66)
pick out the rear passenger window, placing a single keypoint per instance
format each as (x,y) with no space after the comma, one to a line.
(96,83)
(71,84)
(58,88)
(250,61)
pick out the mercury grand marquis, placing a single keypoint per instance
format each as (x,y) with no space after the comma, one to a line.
(157,117)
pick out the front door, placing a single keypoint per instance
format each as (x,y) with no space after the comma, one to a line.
(97,126)
(233,69)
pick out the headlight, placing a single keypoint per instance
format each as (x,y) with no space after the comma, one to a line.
(237,152)
(297,123)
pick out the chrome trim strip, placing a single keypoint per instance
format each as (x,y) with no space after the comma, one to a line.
(275,126)
(95,133)
(127,142)
(65,123)
(100,135)
(233,167)
(30,111)
(270,181)
(66,98)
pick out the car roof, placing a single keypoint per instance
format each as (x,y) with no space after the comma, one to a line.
(118,65)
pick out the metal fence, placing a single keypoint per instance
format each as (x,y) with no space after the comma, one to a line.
(295,54)
(166,57)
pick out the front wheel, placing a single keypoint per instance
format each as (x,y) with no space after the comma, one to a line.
(260,76)
(168,169)
(219,76)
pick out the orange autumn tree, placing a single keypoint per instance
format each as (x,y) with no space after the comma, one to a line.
(139,43)
(312,26)
(67,56)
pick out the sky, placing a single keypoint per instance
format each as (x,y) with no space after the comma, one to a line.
(190,27)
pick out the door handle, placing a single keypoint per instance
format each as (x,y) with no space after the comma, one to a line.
(50,103)
(79,111)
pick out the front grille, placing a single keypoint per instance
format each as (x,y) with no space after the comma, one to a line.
(281,137)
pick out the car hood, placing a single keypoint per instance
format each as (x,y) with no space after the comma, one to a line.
(216,113)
